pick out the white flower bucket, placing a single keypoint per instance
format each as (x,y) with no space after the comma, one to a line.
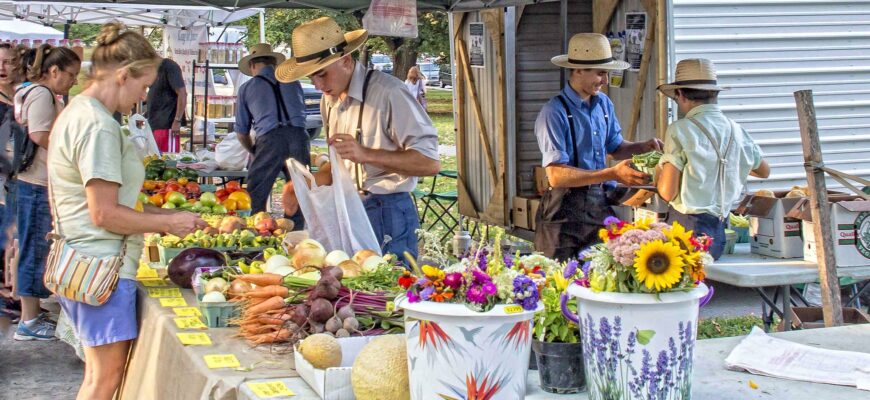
(638,346)
(452,348)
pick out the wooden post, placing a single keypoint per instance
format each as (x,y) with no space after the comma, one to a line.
(642,77)
(662,57)
(467,204)
(493,20)
(832,308)
(602,13)
(478,112)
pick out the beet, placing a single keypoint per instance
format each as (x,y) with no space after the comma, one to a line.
(316,327)
(346,312)
(333,324)
(325,289)
(300,315)
(351,324)
(333,271)
(320,311)
(182,267)
(342,333)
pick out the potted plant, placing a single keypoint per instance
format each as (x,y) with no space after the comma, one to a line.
(472,322)
(638,310)
(556,343)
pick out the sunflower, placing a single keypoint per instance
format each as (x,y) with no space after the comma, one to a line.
(679,234)
(659,265)
(643,224)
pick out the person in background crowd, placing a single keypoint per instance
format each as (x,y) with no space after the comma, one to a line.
(373,123)
(96,175)
(167,98)
(416,83)
(697,150)
(52,71)
(576,131)
(8,79)
(276,111)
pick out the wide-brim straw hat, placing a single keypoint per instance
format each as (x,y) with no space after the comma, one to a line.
(589,50)
(317,44)
(693,73)
(258,50)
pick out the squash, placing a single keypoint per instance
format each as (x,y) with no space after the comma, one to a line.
(380,371)
(321,350)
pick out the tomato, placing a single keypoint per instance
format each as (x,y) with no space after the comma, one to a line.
(233,186)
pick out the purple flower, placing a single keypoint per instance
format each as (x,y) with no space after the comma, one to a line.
(480,277)
(453,280)
(489,289)
(481,259)
(570,269)
(611,221)
(526,292)
(475,295)
(427,292)
(413,297)
(508,261)
(585,268)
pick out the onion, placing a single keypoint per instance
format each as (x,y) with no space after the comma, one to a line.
(283,270)
(239,287)
(362,255)
(308,257)
(371,263)
(336,257)
(350,268)
(213,297)
(276,261)
(216,285)
(310,244)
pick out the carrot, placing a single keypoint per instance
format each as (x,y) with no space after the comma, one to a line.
(272,303)
(272,320)
(260,329)
(264,279)
(268,291)
(271,337)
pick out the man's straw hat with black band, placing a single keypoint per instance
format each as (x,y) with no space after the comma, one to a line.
(317,44)
(258,50)
(693,73)
(589,50)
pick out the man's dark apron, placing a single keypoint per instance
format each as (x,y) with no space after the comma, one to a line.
(568,220)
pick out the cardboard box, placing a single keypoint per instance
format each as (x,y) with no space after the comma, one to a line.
(542,183)
(813,317)
(520,213)
(850,226)
(772,232)
(332,383)
(534,205)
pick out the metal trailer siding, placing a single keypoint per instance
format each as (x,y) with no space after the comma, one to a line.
(766,50)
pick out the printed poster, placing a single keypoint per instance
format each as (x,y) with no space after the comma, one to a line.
(617,47)
(182,46)
(635,34)
(476,55)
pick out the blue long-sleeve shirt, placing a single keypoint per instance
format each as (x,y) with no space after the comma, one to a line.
(596,131)
(257,107)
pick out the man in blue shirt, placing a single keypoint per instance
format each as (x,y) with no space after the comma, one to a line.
(576,130)
(276,111)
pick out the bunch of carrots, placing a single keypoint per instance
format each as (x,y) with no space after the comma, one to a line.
(265,313)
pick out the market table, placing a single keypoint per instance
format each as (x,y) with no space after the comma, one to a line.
(710,380)
(161,367)
(744,269)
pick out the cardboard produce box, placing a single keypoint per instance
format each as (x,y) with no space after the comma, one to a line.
(520,213)
(772,232)
(332,383)
(813,317)
(850,229)
(534,205)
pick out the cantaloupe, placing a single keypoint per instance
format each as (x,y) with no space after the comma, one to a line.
(321,350)
(380,371)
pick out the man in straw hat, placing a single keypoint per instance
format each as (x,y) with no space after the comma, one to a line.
(698,148)
(373,122)
(276,111)
(576,131)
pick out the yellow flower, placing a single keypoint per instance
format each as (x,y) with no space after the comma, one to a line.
(659,265)
(678,233)
(643,224)
(603,235)
(432,272)
(559,280)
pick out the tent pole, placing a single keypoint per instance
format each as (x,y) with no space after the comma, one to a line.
(262,26)
(66,28)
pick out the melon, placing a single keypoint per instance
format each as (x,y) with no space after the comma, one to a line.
(380,371)
(321,350)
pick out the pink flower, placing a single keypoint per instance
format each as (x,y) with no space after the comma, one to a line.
(489,289)
(413,297)
(453,280)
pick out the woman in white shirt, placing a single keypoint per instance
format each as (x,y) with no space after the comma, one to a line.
(417,85)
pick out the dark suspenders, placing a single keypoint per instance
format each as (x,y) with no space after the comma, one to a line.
(362,106)
(571,126)
(283,115)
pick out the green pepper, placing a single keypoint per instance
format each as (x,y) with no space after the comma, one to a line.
(156,165)
(170,173)
(152,176)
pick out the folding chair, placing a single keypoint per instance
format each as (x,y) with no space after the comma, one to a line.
(440,203)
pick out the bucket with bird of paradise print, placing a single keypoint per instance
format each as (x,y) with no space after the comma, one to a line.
(457,353)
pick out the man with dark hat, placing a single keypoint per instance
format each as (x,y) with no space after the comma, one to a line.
(576,131)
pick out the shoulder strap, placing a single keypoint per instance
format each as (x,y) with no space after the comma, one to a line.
(34,86)
(570,126)
(722,160)
(283,115)
(362,107)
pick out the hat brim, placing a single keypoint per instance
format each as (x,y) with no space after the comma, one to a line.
(245,66)
(615,65)
(670,89)
(290,70)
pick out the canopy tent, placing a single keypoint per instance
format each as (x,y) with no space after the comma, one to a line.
(129,13)
(331,5)
(17,29)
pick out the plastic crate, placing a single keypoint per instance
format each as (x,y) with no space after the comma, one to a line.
(168,253)
(218,315)
(742,234)
(730,241)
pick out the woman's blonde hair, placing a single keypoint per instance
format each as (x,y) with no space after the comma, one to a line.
(35,63)
(119,48)
(414,74)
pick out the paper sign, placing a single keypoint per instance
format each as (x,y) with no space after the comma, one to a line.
(221,361)
(173,302)
(189,323)
(513,309)
(153,282)
(265,390)
(194,338)
(164,292)
(187,312)
(146,273)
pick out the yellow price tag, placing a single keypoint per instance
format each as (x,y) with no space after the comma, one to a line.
(194,338)
(187,312)
(173,302)
(153,282)
(221,361)
(513,309)
(164,292)
(189,323)
(265,390)
(146,272)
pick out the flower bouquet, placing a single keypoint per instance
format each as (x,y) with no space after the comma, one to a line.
(472,321)
(638,309)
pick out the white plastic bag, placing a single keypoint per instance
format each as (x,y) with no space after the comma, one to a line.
(392,18)
(230,155)
(142,137)
(334,215)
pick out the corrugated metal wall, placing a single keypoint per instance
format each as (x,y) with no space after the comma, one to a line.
(765,51)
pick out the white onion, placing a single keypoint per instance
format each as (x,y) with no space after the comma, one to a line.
(275,262)
(213,297)
(335,257)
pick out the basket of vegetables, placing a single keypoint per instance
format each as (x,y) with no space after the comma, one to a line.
(646,162)
(212,287)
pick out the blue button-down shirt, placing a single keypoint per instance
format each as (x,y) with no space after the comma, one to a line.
(596,131)
(257,107)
